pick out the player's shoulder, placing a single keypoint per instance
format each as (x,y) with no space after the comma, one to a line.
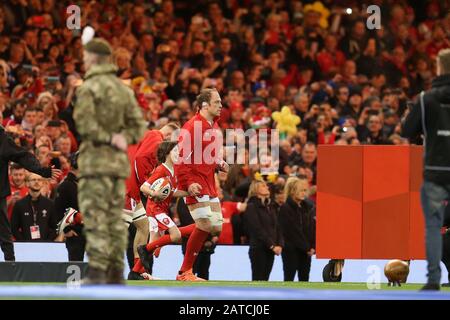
(155,134)
(160,171)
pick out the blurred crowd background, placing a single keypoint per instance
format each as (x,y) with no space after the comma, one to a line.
(348,84)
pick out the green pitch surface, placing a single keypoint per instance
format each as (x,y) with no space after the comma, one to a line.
(220,290)
(250,284)
(278,285)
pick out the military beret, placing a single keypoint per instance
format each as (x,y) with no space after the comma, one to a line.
(98,46)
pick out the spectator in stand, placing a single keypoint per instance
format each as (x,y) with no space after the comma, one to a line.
(372,132)
(64,145)
(34,217)
(353,109)
(330,59)
(53,130)
(18,187)
(263,230)
(309,156)
(297,219)
(353,44)
(46,103)
(29,120)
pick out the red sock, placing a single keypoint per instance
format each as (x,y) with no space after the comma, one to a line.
(193,247)
(161,242)
(187,230)
(138,266)
(78,218)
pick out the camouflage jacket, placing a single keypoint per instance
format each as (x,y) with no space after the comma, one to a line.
(105,106)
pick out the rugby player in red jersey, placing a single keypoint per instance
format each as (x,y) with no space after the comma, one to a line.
(200,144)
(143,161)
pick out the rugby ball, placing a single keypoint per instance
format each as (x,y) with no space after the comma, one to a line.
(396,271)
(163,186)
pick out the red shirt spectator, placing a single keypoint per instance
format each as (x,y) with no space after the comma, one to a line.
(18,187)
(229,209)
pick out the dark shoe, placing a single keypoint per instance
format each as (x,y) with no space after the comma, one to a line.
(115,276)
(445,285)
(431,287)
(135,276)
(145,256)
(94,276)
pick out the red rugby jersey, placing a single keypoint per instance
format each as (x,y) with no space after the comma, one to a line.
(199,153)
(153,208)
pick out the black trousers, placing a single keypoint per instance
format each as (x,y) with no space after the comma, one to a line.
(446,253)
(201,265)
(6,242)
(295,260)
(238,231)
(261,260)
(76,247)
(129,252)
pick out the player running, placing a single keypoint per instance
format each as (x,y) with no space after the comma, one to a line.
(143,161)
(200,155)
(158,205)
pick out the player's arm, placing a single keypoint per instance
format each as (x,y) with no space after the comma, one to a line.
(185,167)
(152,194)
(145,189)
(142,167)
(146,186)
(180,194)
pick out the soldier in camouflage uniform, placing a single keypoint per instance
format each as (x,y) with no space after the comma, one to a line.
(108,119)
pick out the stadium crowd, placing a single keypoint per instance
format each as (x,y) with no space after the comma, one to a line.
(348,84)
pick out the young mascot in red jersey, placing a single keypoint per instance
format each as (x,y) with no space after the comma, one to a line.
(158,210)
(200,144)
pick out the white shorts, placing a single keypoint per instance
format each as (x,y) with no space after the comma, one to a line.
(216,218)
(160,222)
(137,213)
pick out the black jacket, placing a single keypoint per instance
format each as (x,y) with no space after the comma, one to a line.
(436,126)
(365,136)
(66,195)
(9,151)
(23,218)
(298,223)
(261,223)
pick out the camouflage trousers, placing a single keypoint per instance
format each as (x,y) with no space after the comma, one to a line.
(101,200)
